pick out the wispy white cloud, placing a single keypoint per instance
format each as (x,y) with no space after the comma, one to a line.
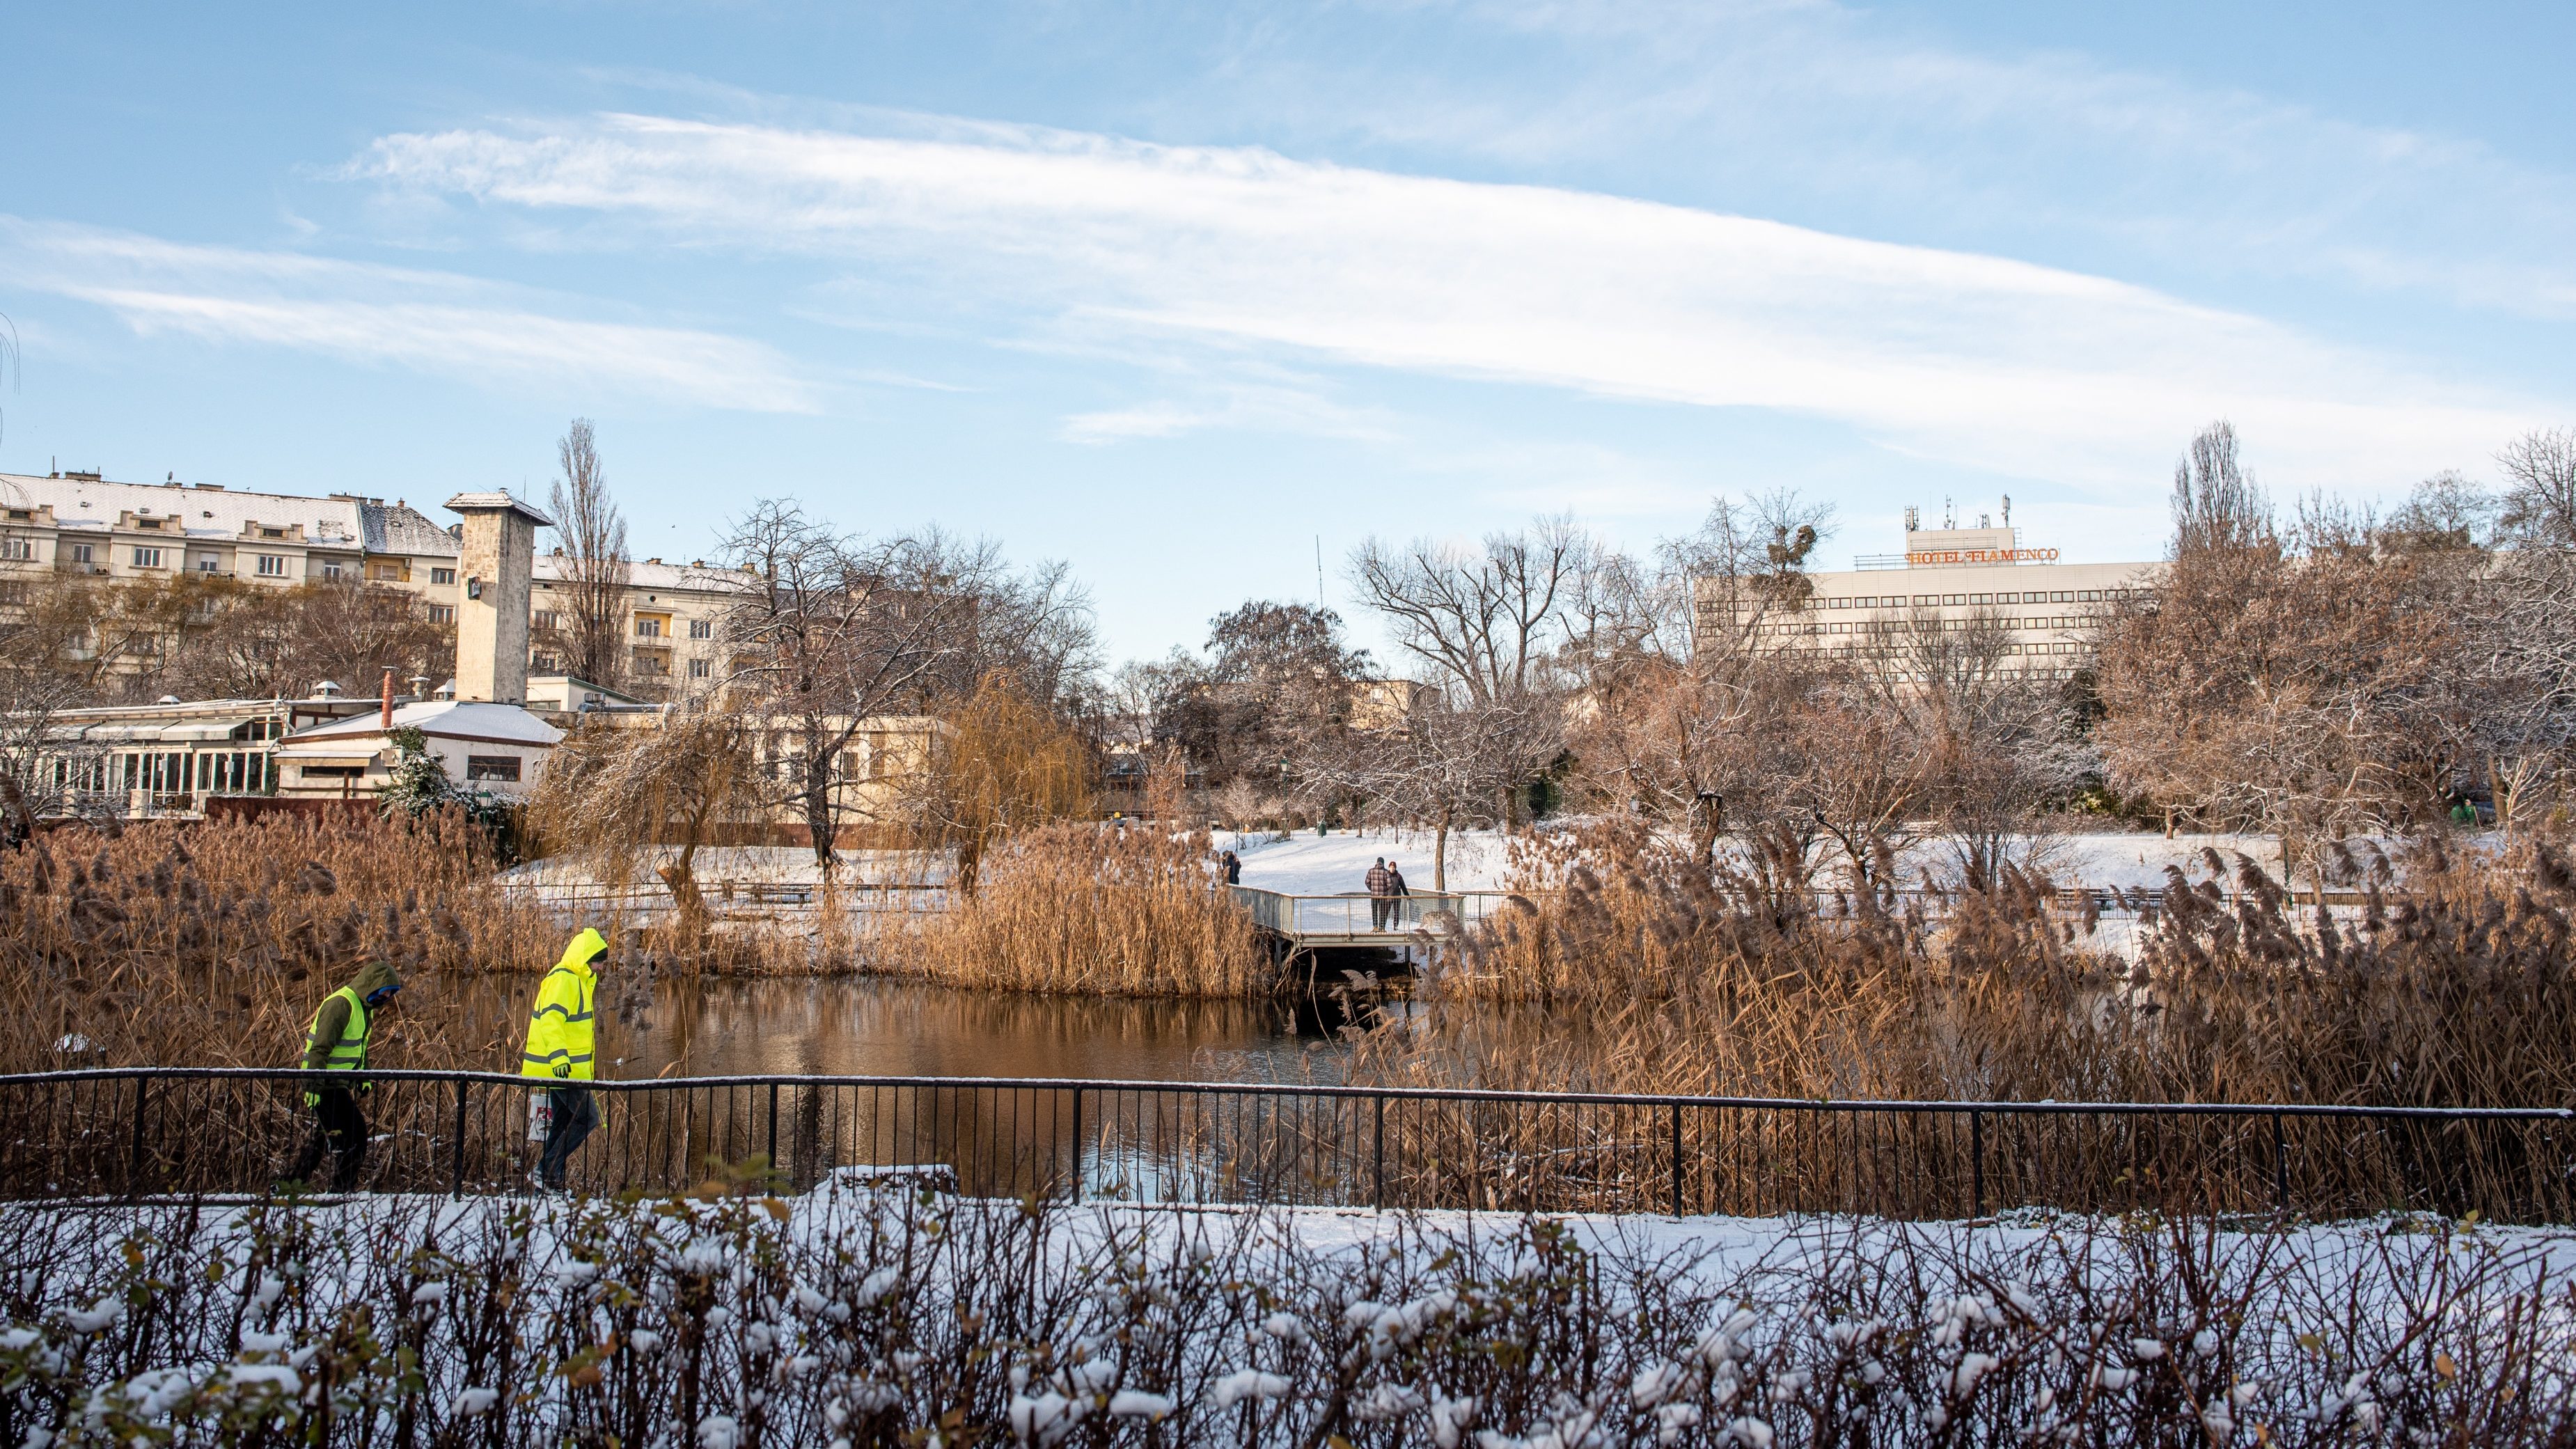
(1232,407)
(425,321)
(2024,369)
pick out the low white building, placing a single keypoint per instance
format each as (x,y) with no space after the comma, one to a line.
(496,749)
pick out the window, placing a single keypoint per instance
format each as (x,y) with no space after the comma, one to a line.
(648,628)
(20,515)
(13,591)
(548,619)
(18,550)
(442,576)
(2089,596)
(152,523)
(702,628)
(548,664)
(331,772)
(1954,598)
(1837,603)
(330,568)
(1927,598)
(442,613)
(385,573)
(82,553)
(1981,598)
(206,563)
(272,566)
(272,533)
(147,558)
(2061,597)
(652,662)
(504,768)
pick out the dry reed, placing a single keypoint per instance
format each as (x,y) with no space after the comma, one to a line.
(211,944)
(1626,969)
(1091,910)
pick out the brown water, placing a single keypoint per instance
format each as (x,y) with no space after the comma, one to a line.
(847,1026)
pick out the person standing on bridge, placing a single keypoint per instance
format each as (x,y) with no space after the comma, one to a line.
(563,1048)
(1396,891)
(1379,896)
(335,1040)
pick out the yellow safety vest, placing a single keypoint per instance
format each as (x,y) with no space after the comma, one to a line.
(349,1053)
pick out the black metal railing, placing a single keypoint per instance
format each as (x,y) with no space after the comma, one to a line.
(172,1130)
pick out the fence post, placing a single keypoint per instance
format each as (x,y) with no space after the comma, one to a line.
(1976,1163)
(134,1167)
(773,1129)
(1677,1159)
(1077,1144)
(2280,1170)
(456,1164)
(1377,1191)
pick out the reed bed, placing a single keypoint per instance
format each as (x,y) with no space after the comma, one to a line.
(1088,910)
(211,944)
(1624,968)
(734,1320)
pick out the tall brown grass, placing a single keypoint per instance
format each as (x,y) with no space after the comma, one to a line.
(1092,910)
(211,944)
(1627,969)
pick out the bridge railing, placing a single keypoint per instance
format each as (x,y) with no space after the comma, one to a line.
(1355,914)
(163,1131)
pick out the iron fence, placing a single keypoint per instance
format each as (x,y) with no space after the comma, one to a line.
(160,1131)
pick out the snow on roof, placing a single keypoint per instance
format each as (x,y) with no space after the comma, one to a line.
(204,512)
(503,502)
(398,527)
(652,573)
(447,718)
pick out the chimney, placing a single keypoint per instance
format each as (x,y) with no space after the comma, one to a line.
(496,561)
(385,719)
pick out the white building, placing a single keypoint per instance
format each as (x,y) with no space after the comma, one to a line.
(79,524)
(1946,578)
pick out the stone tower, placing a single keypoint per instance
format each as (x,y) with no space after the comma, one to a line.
(495,572)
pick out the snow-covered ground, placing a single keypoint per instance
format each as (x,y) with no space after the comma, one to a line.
(1308,864)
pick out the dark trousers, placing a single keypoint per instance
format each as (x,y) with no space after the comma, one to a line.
(339,1126)
(1379,908)
(575,1115)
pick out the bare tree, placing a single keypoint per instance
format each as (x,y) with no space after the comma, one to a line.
(2540,487)
(592,636)
(616,791)
(1487,622)
(831,630)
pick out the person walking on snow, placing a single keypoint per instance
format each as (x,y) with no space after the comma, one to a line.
(563,1047)
(1377,888)
(335,1040)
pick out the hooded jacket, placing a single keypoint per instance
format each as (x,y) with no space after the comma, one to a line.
(336,1038)
(562,1037)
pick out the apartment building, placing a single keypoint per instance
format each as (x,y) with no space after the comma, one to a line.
(80,523)
(1948,577)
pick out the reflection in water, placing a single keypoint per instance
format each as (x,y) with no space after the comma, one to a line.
(1010,1140)
(862,1027)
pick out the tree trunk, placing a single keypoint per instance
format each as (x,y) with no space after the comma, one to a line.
(1440,857)
(680,874)
(818,810)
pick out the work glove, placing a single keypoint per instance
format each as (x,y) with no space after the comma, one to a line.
(563,1069)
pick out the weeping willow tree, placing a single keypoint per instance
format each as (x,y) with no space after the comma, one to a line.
(999,763)
(618,792)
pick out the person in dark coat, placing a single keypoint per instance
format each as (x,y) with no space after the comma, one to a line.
(1233,868)
(1396,891)
(336,1041)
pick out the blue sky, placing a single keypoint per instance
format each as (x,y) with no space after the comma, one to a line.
(1172,291)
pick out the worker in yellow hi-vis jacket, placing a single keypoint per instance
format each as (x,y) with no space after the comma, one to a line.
(563,1047)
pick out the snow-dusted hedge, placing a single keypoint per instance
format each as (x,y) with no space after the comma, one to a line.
(881,1315)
